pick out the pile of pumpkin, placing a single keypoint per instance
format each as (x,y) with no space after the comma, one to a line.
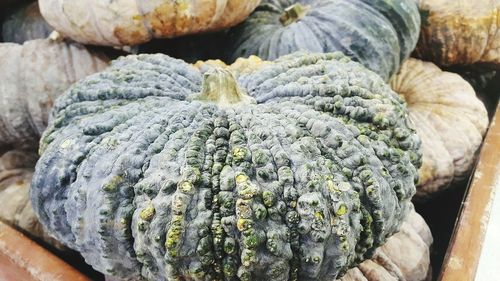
(281,154)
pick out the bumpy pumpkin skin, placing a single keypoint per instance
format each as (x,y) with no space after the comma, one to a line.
(25,24)
(405,256)
(294,170)
(380,34)
(460,32)
(448,117)
(131,22)
(16,171)
(32,75)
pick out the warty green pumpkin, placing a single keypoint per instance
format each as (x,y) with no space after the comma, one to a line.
(296,169)
(460,32)
(379,34)
(450,120)
(32,75)
(131,22)
(25,24)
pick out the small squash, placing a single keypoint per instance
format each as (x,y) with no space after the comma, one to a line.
(16,170)
(379,34)
(131,22)
(448,117)
(25,24)
(32,75)
(293,169)
(460,32)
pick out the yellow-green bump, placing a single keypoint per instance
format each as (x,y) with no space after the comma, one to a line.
(147,213)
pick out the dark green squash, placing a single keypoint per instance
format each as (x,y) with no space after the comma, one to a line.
(296,169)
(25,24)
(378,33)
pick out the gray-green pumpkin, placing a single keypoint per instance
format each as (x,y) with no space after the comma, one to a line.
(380,34)
(296,169)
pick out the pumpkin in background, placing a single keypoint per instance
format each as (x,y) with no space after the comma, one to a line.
(32,75)
(448,117)
(379,34)
(293,169)
(25,24)
(16,171)
(460,32)
(131,22)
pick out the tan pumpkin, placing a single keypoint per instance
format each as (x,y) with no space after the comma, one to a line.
(405,256)
(16,171)
(448,117)
(130,22)
(460,31)
(32,75)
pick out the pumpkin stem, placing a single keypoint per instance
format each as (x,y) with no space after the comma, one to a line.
(220,86)
(293,14)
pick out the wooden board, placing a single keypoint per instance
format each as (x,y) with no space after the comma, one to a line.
(466,244)
(23,259)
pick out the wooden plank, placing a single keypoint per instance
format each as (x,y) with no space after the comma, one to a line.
(26,260)
(463,253)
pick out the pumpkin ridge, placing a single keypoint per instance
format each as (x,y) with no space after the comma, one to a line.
(228,248)
(274,197)
(277,194)
(150,193)
(359,55)
(220,156)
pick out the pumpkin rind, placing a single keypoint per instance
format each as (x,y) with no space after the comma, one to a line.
(448,117)
(405,255)
(379,34)
(16,171)
(32,76)
(25,24)
(130,22)
(291,170)
(459,32)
